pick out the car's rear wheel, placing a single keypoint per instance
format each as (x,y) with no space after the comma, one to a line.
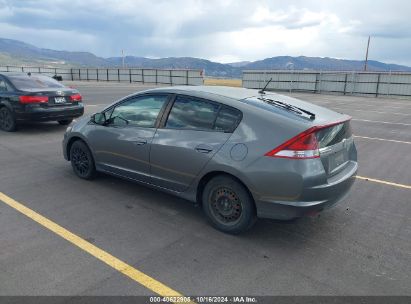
(82,160)
(65,122)
(228,205)
(7,120)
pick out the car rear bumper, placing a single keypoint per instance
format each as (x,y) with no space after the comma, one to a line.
(312,200)
(50,113)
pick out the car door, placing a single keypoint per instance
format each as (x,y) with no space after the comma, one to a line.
(122,145)
(186,142)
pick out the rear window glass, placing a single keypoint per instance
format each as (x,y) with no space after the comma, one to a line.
(261,104)
(272,105)
(333,135)
(34,82)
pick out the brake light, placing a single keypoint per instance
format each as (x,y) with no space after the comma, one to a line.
(75,97)
(33,99)
(303,146)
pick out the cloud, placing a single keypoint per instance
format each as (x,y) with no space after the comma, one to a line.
(226,30)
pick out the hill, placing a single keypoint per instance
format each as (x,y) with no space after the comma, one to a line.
(14,52)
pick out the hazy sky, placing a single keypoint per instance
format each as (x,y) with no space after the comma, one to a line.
(222,30)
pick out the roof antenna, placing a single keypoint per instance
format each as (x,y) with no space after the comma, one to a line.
(263,89)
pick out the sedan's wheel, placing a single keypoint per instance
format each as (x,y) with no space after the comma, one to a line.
(7,121)
(228,205)
(65,122)
(82,160)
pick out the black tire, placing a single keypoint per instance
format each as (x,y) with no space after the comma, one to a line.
(228,205)
(82,160)
(65,122)
(7,120)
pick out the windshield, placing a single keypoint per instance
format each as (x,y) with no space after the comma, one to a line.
(24,82)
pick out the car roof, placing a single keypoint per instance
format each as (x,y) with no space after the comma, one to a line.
(13,74)
(231,96)
(19,74)
(227,92)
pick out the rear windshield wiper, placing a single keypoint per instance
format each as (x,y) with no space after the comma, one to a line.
(288,107)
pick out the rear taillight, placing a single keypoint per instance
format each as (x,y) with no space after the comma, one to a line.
(303,146)
(75,97)
(33,99)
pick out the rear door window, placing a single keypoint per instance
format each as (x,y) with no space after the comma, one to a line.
(192,113)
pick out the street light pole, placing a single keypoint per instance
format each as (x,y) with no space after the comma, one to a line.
(366,54)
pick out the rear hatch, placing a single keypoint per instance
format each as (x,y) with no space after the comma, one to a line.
(327,135)
(335,143)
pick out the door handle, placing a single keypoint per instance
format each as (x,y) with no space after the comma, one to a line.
(203,149)
(140,142)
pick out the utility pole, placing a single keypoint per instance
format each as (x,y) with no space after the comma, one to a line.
(366,54)
(122,55)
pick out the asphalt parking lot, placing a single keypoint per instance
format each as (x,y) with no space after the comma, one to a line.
(360,247)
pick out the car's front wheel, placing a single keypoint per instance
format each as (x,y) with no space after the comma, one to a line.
(65,122)
(7,120)
(228,205)
(82,160)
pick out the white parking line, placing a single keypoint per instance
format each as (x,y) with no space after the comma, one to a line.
(382,122)
(345,99)
(393,113)
(94,105)
(341,103)
(383,139)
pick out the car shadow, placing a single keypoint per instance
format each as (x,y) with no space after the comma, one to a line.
(40,127)
(266,233)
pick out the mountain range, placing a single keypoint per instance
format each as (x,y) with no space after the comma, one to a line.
(14,52)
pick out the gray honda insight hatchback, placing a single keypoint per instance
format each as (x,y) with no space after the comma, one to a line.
(240,153)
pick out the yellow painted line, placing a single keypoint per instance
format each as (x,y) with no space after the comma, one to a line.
(384,139)
(383,182)
(134,274)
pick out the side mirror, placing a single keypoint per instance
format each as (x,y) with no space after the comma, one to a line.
(58,77)
(99,118)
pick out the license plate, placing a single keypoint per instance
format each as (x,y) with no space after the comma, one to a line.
(59,100)
(336,160)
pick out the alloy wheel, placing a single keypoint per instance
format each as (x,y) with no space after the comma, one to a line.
(80,161)
(6,120)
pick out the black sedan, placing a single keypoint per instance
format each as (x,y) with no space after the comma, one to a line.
(29,97)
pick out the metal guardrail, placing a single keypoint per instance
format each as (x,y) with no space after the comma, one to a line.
(351,83)
(131,75)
